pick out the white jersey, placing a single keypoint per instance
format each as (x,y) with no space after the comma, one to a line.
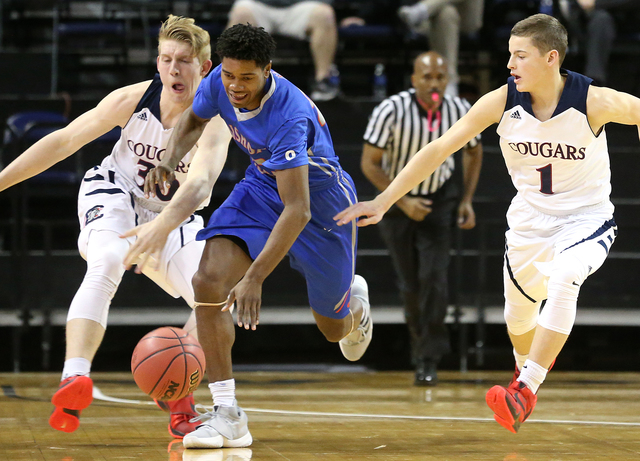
(558,166)
(141,147)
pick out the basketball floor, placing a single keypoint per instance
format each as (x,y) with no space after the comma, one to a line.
(337,415)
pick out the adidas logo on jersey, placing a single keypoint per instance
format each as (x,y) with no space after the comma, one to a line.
(142,116)
(515,115)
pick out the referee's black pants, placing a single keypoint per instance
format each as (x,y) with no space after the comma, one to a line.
(420,255)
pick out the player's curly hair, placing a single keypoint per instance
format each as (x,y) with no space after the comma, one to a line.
(245,42)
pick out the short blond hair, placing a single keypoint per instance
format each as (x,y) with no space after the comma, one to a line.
(546,33)
(183,29)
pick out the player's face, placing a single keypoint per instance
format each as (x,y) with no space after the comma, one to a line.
(244,82)
(528,67)
(180,71)
(430,78)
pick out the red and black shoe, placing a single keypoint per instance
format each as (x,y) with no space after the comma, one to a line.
(180,412)
(511,405)
(73,395)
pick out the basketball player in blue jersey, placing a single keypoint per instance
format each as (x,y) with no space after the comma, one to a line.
(551,124)
(284,206)
(112,200)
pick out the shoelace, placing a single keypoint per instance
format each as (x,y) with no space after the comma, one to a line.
(205,413)
(362,328)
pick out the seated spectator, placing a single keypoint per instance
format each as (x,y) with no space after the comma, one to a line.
(592,30)
(442,21)
(312,20)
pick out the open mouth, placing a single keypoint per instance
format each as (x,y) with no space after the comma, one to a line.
(516,78)
(177,87)
(237,97)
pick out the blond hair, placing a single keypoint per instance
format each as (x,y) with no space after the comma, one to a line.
(546,33)
(183,29)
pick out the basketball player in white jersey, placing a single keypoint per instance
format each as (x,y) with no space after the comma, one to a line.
(551,124)
(112,200)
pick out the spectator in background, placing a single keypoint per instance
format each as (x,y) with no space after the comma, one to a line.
(418,231)
(312,20)
(443,21)
(592,30)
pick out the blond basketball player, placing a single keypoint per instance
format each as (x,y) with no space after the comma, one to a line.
(112,200)
(551,124)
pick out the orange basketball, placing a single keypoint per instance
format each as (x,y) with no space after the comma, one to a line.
(168,363)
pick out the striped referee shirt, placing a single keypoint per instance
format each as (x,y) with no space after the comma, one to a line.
(400,126)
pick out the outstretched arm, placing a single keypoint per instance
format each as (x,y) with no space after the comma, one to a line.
(185,135)
(487,111)
(605,105)
(203,173)
(114,110)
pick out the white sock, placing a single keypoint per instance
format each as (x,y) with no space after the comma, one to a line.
(76,366)
(520,359)
(223,392)
(532,375)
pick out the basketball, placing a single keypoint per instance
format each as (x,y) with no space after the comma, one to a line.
(168,363)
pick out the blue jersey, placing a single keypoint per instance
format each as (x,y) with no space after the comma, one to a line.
(286,131)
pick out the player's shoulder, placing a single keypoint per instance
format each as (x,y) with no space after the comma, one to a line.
(126,98)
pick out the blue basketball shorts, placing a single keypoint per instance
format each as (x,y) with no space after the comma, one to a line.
(324,253)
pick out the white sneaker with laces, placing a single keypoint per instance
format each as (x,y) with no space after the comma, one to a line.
(354,345)
(221,427)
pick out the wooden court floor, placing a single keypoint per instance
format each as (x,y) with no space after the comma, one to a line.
(338,417)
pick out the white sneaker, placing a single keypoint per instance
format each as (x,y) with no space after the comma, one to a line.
(354,345)
(222,427)
(223,454)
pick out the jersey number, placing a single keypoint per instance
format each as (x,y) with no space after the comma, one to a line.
(143,170)
(546,183)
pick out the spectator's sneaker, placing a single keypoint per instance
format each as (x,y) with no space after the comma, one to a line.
(73,395)
(181,411)
(221,454)
(354,345)
(222,427)
(325,90)
(512,405)
(414,15)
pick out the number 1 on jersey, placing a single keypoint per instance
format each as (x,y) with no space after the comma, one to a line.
(546,183)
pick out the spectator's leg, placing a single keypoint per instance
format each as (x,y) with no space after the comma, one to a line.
(601,33)
(242,12)
(323,37)
(445,39)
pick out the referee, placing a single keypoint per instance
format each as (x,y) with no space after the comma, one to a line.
(417,230)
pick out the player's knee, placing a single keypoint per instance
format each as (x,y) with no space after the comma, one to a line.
(450,15)
(322,16)
(559,313)
(241,15)
(210,286)
(569,269)
(521,319)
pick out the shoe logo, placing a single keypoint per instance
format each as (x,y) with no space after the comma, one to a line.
(516,115)
(142,116)
(574,283)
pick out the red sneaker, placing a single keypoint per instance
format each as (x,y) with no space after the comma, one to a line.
(73,395)
(512,405)
(181,411)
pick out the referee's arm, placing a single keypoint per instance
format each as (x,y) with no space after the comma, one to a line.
(416,208)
